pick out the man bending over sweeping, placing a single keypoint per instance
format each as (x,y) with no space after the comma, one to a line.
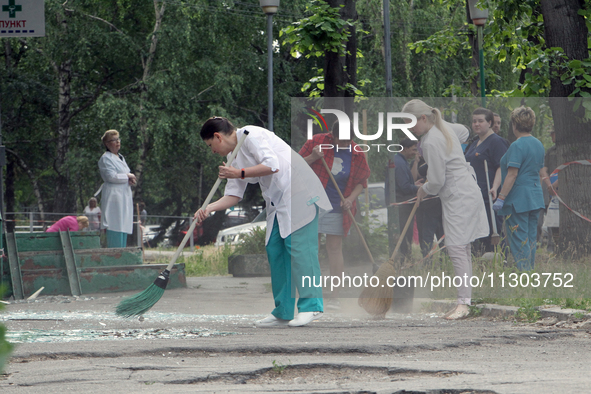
(293,196)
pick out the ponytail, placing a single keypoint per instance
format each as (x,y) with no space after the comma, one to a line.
(419,108)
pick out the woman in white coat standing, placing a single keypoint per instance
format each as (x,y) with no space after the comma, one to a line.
(293,195)
(453,179)
(116,199)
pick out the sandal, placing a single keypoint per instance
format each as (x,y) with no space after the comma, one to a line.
(459,312)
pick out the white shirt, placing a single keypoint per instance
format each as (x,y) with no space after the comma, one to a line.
(460,130)
(116,199)
(93,215)
(292,193)
(453,179)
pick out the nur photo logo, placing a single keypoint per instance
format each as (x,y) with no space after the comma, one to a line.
(387,121)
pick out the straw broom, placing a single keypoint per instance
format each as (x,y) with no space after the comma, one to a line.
(348,210)
(140,303)
(377,300)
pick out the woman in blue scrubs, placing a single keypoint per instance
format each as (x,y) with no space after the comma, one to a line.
(521,195)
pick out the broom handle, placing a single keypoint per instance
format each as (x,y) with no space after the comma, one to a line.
(206,203)
(403,233)
(348,210)
(490,202)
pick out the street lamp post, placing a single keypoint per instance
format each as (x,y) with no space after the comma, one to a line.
(270,8)
(479,17)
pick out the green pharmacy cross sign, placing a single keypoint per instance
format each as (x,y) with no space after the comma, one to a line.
(11,8)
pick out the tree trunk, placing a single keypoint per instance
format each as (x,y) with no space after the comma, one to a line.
(340,70)
(9,182)
(64,201)
(565,28)
(144,134)
(473,40)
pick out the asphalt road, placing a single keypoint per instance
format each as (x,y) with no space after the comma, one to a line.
(202,339)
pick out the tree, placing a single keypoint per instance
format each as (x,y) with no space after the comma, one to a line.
(566,28)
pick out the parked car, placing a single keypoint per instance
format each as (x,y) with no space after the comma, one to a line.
(205,232)
(233,235)
(150,235)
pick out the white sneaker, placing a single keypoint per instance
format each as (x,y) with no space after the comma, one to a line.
(304,318)
(271,321)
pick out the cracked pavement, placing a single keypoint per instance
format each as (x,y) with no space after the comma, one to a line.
(202,339)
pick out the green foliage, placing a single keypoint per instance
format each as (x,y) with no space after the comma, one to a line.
(475,311)
(322,31)
(5,346)
(528,312)
(253,242)
(279,367)
(210,261)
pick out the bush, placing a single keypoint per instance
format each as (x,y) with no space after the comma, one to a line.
(253,243)
(210,261)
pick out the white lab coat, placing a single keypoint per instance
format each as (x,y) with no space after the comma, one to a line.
(116,198)
(291,193)
(453,179)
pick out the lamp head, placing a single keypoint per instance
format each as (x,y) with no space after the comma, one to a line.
(269,7)
(477,15)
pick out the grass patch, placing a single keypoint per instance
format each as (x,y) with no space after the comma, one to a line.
(207,261)
(554,281)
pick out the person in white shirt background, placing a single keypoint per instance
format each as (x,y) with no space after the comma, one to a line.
(93,213)
(293,195)
(116,198)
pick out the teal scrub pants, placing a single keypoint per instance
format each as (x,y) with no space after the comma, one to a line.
(522,233)
(115,239)
(290,259)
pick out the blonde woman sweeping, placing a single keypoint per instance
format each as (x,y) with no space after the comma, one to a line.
(452,178)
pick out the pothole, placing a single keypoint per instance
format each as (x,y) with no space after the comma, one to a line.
(281,374)
(35,336)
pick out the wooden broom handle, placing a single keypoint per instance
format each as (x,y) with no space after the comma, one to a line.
(406,226)
(348,210)
(205,203)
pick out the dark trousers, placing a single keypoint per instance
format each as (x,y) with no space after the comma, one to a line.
(406,245)
(483,245)
(429,223)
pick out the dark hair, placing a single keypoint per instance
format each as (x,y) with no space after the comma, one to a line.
(407,143)
(488,114)
(217,124)
(495,114)
(334,128)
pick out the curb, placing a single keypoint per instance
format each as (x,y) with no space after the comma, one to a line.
(502,311)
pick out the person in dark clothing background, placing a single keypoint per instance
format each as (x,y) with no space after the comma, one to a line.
(406,188)
(429,222)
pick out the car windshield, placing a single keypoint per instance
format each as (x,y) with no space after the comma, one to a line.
(261,217)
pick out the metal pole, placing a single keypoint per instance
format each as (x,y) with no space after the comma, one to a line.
(2,162)
(481,61)
(387,49)
(191,241)
(270,67)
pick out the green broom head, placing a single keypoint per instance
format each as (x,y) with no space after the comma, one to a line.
(140,303)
